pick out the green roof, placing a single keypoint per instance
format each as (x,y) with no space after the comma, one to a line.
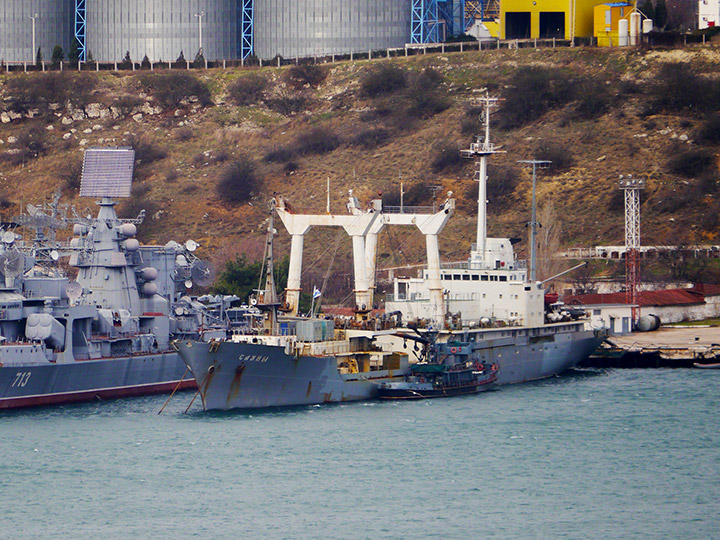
(428,368)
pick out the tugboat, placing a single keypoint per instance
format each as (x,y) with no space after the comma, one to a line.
(454,374)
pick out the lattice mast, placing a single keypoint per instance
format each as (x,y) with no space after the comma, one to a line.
(481,149)
(632,186)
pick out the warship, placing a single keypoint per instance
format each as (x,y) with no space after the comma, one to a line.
(489,302)
(106,334)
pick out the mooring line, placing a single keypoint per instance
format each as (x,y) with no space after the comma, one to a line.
(175,390)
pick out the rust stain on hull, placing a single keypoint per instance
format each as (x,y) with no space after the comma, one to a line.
(235,384)
(307,394)
(327,397)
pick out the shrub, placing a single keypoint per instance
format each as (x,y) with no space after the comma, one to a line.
(247,90)
(171,89)
(382,79)
(287,104)
(677,88)
(38,91)
(593,98)
(423,96)
(31,143)
(239,181)
(311,75)
(534,92)
(709,131)
(691,163)
(318,140)
(371,138)
(419,194)
(184,134)
(502,181)
(445,156)
(280,154)
(146,149)
(71,173)
(126,104)
(471,123)
(558,154)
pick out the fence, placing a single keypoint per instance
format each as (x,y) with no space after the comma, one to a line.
(279,61)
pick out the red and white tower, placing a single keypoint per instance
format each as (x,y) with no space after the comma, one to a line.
(632,186)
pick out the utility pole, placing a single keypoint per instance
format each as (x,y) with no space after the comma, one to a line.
(533,220)
(632,186)
(200,16)
(34,50)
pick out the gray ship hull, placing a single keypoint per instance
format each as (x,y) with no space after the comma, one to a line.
(90,380)
(245,375)
(528,354)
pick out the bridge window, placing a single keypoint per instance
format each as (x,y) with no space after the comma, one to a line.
(475,277)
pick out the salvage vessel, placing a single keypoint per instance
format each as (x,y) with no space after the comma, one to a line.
(490,303)
(107,333)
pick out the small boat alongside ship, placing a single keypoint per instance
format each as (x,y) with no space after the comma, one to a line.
(452,373)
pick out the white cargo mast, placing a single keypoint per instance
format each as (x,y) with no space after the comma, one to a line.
(482,149)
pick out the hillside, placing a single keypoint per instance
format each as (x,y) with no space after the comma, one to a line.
(213,146)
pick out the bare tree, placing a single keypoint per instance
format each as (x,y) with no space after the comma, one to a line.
(549,240)
(681,14)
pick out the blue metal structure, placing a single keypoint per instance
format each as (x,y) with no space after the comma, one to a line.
(452,15)
(246,28)
(80,27)
(439,20)
(473,10)
(424,22)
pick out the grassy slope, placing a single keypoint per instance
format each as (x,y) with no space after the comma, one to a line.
(185,204)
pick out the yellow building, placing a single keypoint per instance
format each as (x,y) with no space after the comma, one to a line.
(607,17)
(543,19)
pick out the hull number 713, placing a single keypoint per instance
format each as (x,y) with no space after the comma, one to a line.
(21,379)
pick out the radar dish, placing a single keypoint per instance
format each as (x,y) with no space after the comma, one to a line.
(54,255)
(191,245)
(107,172)
(12,263)
(202,273)
(188,284)
(8,237)
(73,289)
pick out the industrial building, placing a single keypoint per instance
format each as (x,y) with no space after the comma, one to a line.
(42,22)
(292,28)
(561,19)
(228,29)
(160,29)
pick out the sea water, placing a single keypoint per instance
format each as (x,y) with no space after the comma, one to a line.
(591,454)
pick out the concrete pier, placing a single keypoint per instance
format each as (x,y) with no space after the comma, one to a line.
(668,347)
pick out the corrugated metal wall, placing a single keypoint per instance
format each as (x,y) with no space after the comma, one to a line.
(293,28)
(53,26)
(160,29)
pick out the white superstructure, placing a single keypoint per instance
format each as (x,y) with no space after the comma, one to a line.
(491,286)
